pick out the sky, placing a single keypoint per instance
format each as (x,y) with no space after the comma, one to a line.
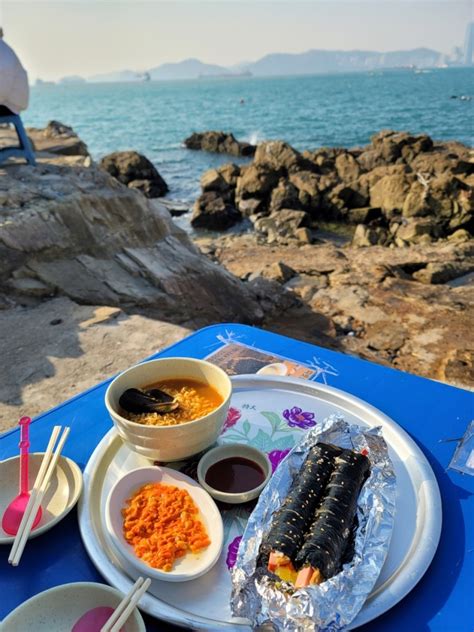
(87,37)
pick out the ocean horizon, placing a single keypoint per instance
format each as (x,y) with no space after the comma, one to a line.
(310,111)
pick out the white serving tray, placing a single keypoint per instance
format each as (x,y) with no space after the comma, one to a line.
(268,421)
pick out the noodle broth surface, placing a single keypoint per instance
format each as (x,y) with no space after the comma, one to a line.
(196,399)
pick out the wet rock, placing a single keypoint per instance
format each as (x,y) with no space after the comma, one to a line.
(136,171)
(214,212)
(220,142)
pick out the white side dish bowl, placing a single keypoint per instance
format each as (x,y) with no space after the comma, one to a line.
(228,451)
(59,608)
(170,443)
(185,568)
(61,494)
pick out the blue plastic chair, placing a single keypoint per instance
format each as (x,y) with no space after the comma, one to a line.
(24,150)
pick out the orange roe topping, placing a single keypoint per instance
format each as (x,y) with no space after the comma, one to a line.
(161,523)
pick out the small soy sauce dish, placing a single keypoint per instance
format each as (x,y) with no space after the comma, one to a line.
(234,473)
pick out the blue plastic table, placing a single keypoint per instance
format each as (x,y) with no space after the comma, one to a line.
(431,412)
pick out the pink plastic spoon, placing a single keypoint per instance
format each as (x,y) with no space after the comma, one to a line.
(15,510)
(93,620)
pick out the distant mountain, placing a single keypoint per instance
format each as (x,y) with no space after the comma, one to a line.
(308,63)
(186,69)
(326,61)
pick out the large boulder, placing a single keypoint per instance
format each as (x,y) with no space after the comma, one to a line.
(136,171)
(256,181)
(389,193)
(223,179)
(214,212)
(98,242)
(278,156)
(56,138)
(347,167)
(220,142)
(285,195)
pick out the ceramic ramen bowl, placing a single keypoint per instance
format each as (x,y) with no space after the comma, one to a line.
(170,442)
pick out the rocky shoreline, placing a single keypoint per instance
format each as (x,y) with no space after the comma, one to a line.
(397,191)
(92,263)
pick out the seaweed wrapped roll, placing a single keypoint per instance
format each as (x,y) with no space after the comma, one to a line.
(293,519)
(324,545)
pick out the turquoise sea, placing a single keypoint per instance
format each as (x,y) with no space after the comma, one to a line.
(308,112)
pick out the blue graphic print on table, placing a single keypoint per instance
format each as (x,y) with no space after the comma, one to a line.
(297,418)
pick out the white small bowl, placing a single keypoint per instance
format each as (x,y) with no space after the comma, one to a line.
(185,568)
(61,494)
(59,608)
(225,452)
(170,443)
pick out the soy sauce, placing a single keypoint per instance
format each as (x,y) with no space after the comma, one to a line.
(234,475)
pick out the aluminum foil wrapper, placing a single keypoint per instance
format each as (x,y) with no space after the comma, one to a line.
(333,604)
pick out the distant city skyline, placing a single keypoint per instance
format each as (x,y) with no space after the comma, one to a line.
(88,37)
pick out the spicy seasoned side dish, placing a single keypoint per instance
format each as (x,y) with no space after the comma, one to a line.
(169,402)
(162,524)
(311,534)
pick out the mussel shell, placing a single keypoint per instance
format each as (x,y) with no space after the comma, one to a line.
(133,400)
(159,395)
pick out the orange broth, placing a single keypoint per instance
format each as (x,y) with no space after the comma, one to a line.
(196,399)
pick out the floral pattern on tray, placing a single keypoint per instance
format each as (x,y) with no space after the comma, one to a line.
(272,431)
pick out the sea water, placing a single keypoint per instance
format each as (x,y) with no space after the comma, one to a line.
(308,112)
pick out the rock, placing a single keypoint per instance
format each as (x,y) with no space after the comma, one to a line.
(213,212)
(414,229)
(347,167)
(250,206)
(386,335)
(348,196)
(304,235)
(389,193)
(460,235)
(56,138)
(443,272)
(220,142)
(363,215)
(223,179)
(416,204)
(128,167)
(257,181)
(365,236)
(285,195)
(288,221)
(307,182)
(98,242)
(278,271)
(175,208)
(278,156)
